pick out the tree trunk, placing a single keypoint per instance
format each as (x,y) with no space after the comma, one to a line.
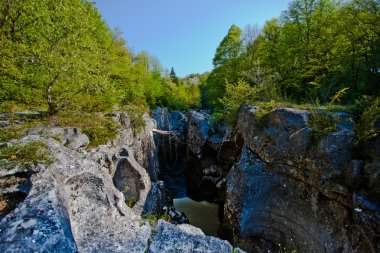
(52,106)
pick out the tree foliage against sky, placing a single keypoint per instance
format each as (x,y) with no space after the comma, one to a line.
(314,49)
(60,55)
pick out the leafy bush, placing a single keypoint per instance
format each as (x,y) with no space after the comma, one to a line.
(99,129)
(131,201)
(235,95)
(25,154)
(135,113)
(153,218)
(321,123)
(365,129)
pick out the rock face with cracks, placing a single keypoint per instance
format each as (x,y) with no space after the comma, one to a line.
(75,204)
(287,192)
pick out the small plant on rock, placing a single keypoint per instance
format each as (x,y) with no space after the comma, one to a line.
(153,218)
(323,123)
(131,201)
(365,129)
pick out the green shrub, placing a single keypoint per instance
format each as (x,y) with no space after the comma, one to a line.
(131,201)
(8,134)
(321,123)
(99,129)
(235,95)
(365,129)
(153,218)
(135,112)
(25,154)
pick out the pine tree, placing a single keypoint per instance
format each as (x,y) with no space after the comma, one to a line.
(173,76)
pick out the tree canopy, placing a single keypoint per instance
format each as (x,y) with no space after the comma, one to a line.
(60,55)
(314,49)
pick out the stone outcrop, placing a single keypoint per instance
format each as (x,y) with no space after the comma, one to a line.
(186,235)
(77,203)
(287,192)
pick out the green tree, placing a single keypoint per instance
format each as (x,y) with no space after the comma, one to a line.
(173,76)
(229,48)
(236,94)
(226,63)
(54,54)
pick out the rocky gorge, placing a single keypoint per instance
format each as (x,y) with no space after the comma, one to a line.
(277,189)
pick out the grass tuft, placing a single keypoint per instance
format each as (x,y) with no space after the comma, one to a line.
(26,155)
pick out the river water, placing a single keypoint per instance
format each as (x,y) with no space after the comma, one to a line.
(203,215)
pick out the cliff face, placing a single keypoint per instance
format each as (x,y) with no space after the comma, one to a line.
(286,191)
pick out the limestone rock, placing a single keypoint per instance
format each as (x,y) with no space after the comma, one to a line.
(72,206)
(68,136)
(185,238)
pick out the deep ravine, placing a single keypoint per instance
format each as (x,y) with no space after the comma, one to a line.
(272,188)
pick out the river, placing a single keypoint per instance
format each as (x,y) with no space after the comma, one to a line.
(203,215)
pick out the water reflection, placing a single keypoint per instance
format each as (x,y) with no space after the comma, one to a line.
(203,215)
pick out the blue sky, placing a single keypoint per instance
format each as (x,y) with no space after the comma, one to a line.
(184,34)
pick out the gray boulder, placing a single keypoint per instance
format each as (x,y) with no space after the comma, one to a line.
(185,238)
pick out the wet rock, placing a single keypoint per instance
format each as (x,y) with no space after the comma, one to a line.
(157,199)
(372,180)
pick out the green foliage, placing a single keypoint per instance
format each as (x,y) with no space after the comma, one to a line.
(365,129)
(321,123)
(125,189)
(316,47)
(131,201)
(61,56)
(135,113)
(236,94)
(229,48)
(153,218)
(173,76)
(54,54)
(8,134)
(25,155)
(99,129)
(338,96)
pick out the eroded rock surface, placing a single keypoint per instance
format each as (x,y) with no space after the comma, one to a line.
(287,192)
(75,204)
(187,239)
